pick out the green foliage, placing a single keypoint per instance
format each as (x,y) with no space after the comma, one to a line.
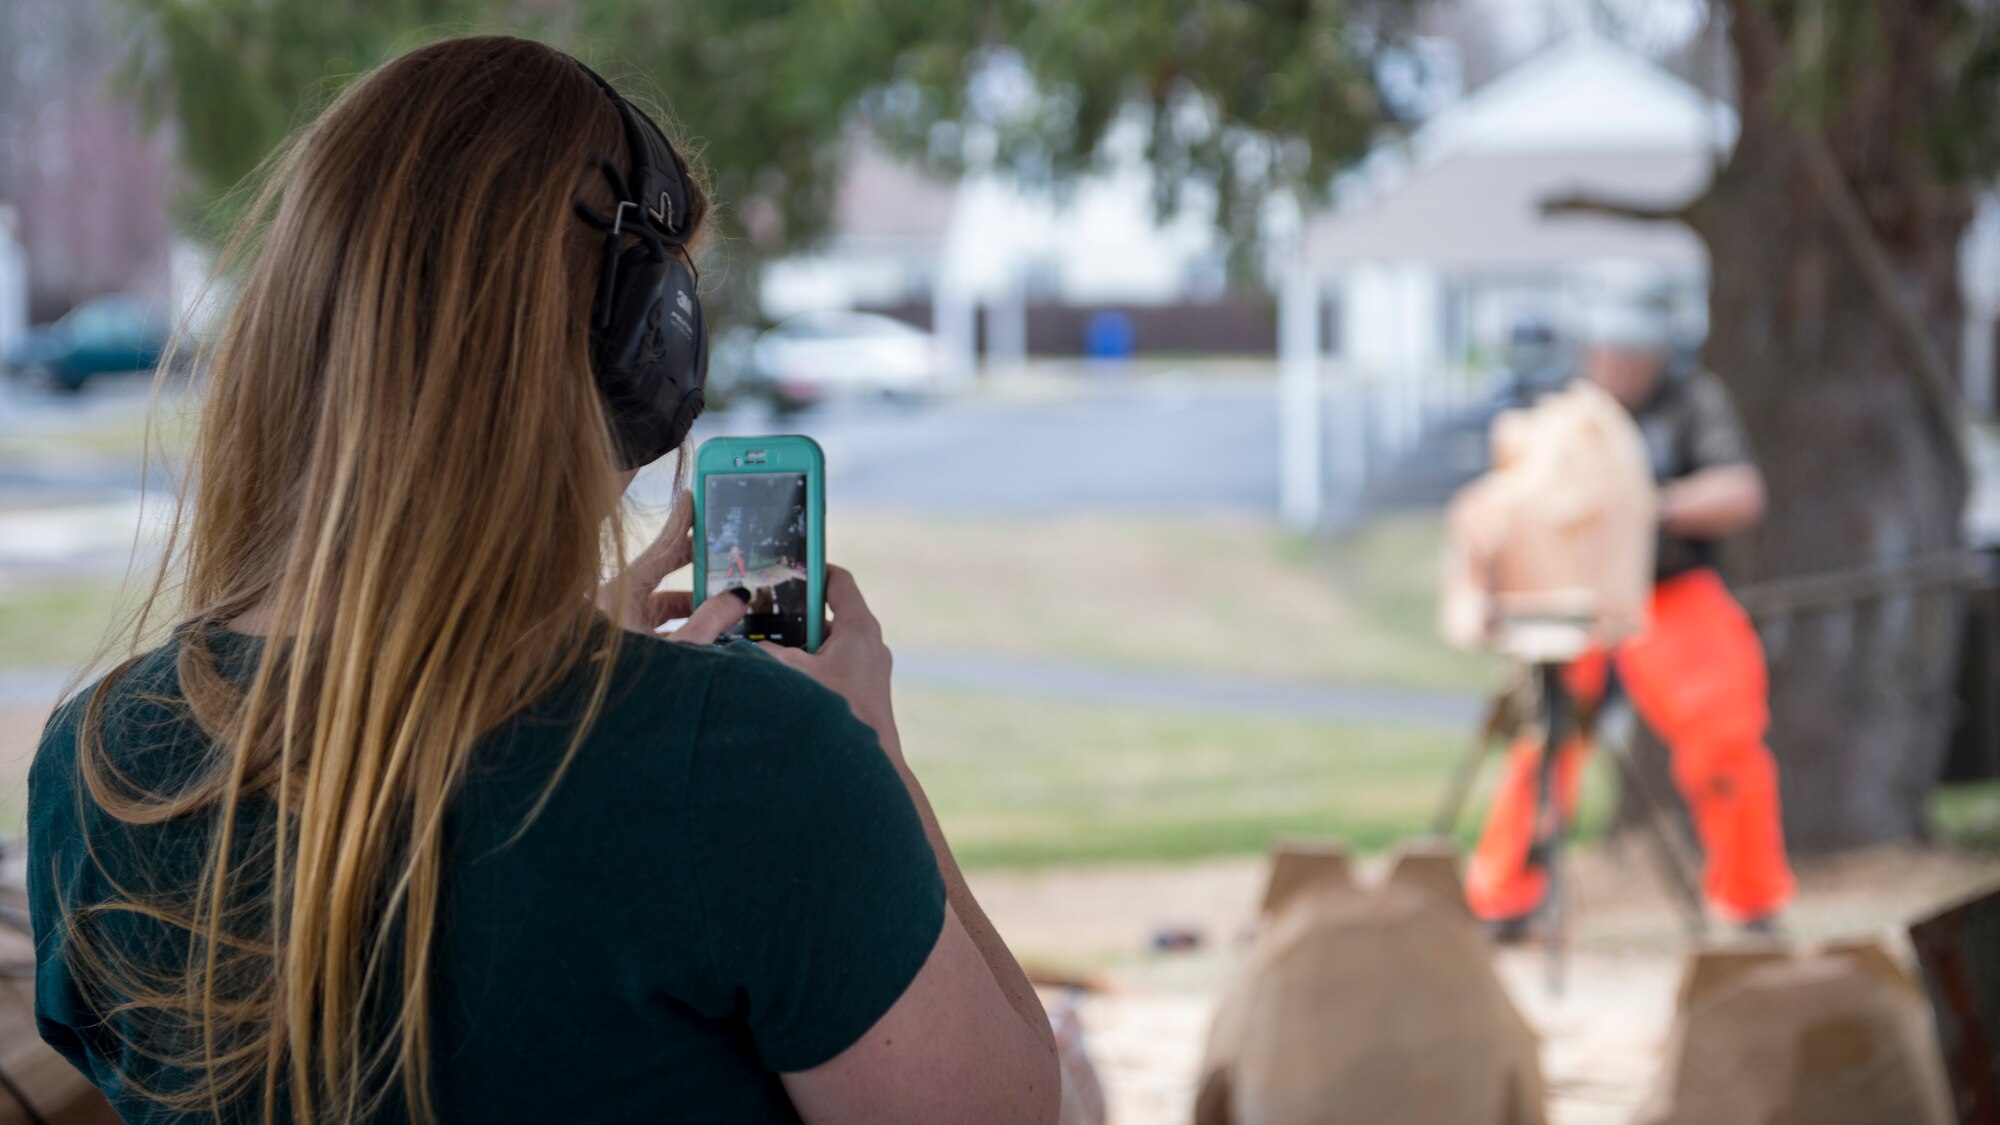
(238,75)
(1964,136)
(764,92)
(1839,58)
(1240,97)
(1244,97)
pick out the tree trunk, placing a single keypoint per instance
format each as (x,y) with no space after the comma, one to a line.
(1863,467)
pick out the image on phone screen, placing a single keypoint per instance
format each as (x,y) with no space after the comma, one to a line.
(755,524)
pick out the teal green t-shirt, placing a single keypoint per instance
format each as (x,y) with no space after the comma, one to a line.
(728,882)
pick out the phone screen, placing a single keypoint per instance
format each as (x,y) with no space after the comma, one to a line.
(755,524)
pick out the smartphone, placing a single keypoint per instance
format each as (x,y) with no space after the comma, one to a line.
(759,516)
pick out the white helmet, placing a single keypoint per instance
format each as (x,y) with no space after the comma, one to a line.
(1627,324)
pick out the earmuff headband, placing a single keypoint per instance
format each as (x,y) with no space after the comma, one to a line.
(648,338)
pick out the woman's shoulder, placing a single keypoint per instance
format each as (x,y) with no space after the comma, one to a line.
(817,895)
(744,709)
(734,741)
(666,704)
(736,679)
(137,701)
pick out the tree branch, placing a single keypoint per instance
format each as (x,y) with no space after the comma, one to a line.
(1583,203)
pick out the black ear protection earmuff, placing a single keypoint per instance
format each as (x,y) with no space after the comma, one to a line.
(648,341)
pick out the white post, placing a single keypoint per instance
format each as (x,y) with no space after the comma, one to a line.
(1299,475)
(13,284)
(953,318)
(1979,281)
(1007,328)
(1353,422)
(1977,374)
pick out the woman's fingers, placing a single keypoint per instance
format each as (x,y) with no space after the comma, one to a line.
(795,657)
(663,606)
(853,662)
(711,619)
(715,616)
(843,597)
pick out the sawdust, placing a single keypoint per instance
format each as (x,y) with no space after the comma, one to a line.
(1603,1037)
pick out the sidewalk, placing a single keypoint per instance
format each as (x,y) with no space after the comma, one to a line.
(75,540)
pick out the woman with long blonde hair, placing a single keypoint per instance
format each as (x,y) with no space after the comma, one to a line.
(412,816)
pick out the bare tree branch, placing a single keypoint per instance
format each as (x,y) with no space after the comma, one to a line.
(1583,203)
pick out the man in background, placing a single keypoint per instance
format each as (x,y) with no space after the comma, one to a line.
(1696,674)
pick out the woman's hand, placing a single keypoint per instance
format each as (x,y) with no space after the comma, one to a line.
(645,608)
(853,660)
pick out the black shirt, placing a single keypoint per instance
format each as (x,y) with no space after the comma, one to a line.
(1689,425)
(729,881)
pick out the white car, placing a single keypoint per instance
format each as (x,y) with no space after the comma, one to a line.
(813,357)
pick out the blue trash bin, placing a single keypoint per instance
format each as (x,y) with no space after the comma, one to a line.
(1107,335)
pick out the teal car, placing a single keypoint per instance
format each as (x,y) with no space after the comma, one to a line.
(100,336)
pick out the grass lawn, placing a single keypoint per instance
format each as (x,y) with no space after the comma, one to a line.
(1022,781)
(1968,815)
(1025,782)
(1235,596)
(114,430)
(54,625)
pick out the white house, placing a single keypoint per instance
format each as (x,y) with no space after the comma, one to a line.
(992,241)
(889,222)
(1096,241)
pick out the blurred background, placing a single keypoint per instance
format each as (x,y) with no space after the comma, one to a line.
(1147,340)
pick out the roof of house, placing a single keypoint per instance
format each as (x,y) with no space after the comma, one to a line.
(1465,192)
(881,198)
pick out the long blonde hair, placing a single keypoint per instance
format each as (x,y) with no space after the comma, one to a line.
(403,467)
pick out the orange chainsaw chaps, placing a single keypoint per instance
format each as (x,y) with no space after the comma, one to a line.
(1696,676)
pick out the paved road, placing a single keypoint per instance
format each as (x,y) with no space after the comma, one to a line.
(1162,443)
(1158,446)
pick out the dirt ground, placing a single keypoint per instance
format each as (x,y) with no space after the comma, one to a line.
(1602,1037)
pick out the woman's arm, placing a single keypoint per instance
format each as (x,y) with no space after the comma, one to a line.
(969,1030)
(948,1050)
(1007,972)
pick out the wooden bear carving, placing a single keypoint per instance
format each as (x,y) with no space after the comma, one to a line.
(1842,1036)
(1361,1003)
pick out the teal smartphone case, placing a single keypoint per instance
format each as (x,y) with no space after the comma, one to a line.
(783,453)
